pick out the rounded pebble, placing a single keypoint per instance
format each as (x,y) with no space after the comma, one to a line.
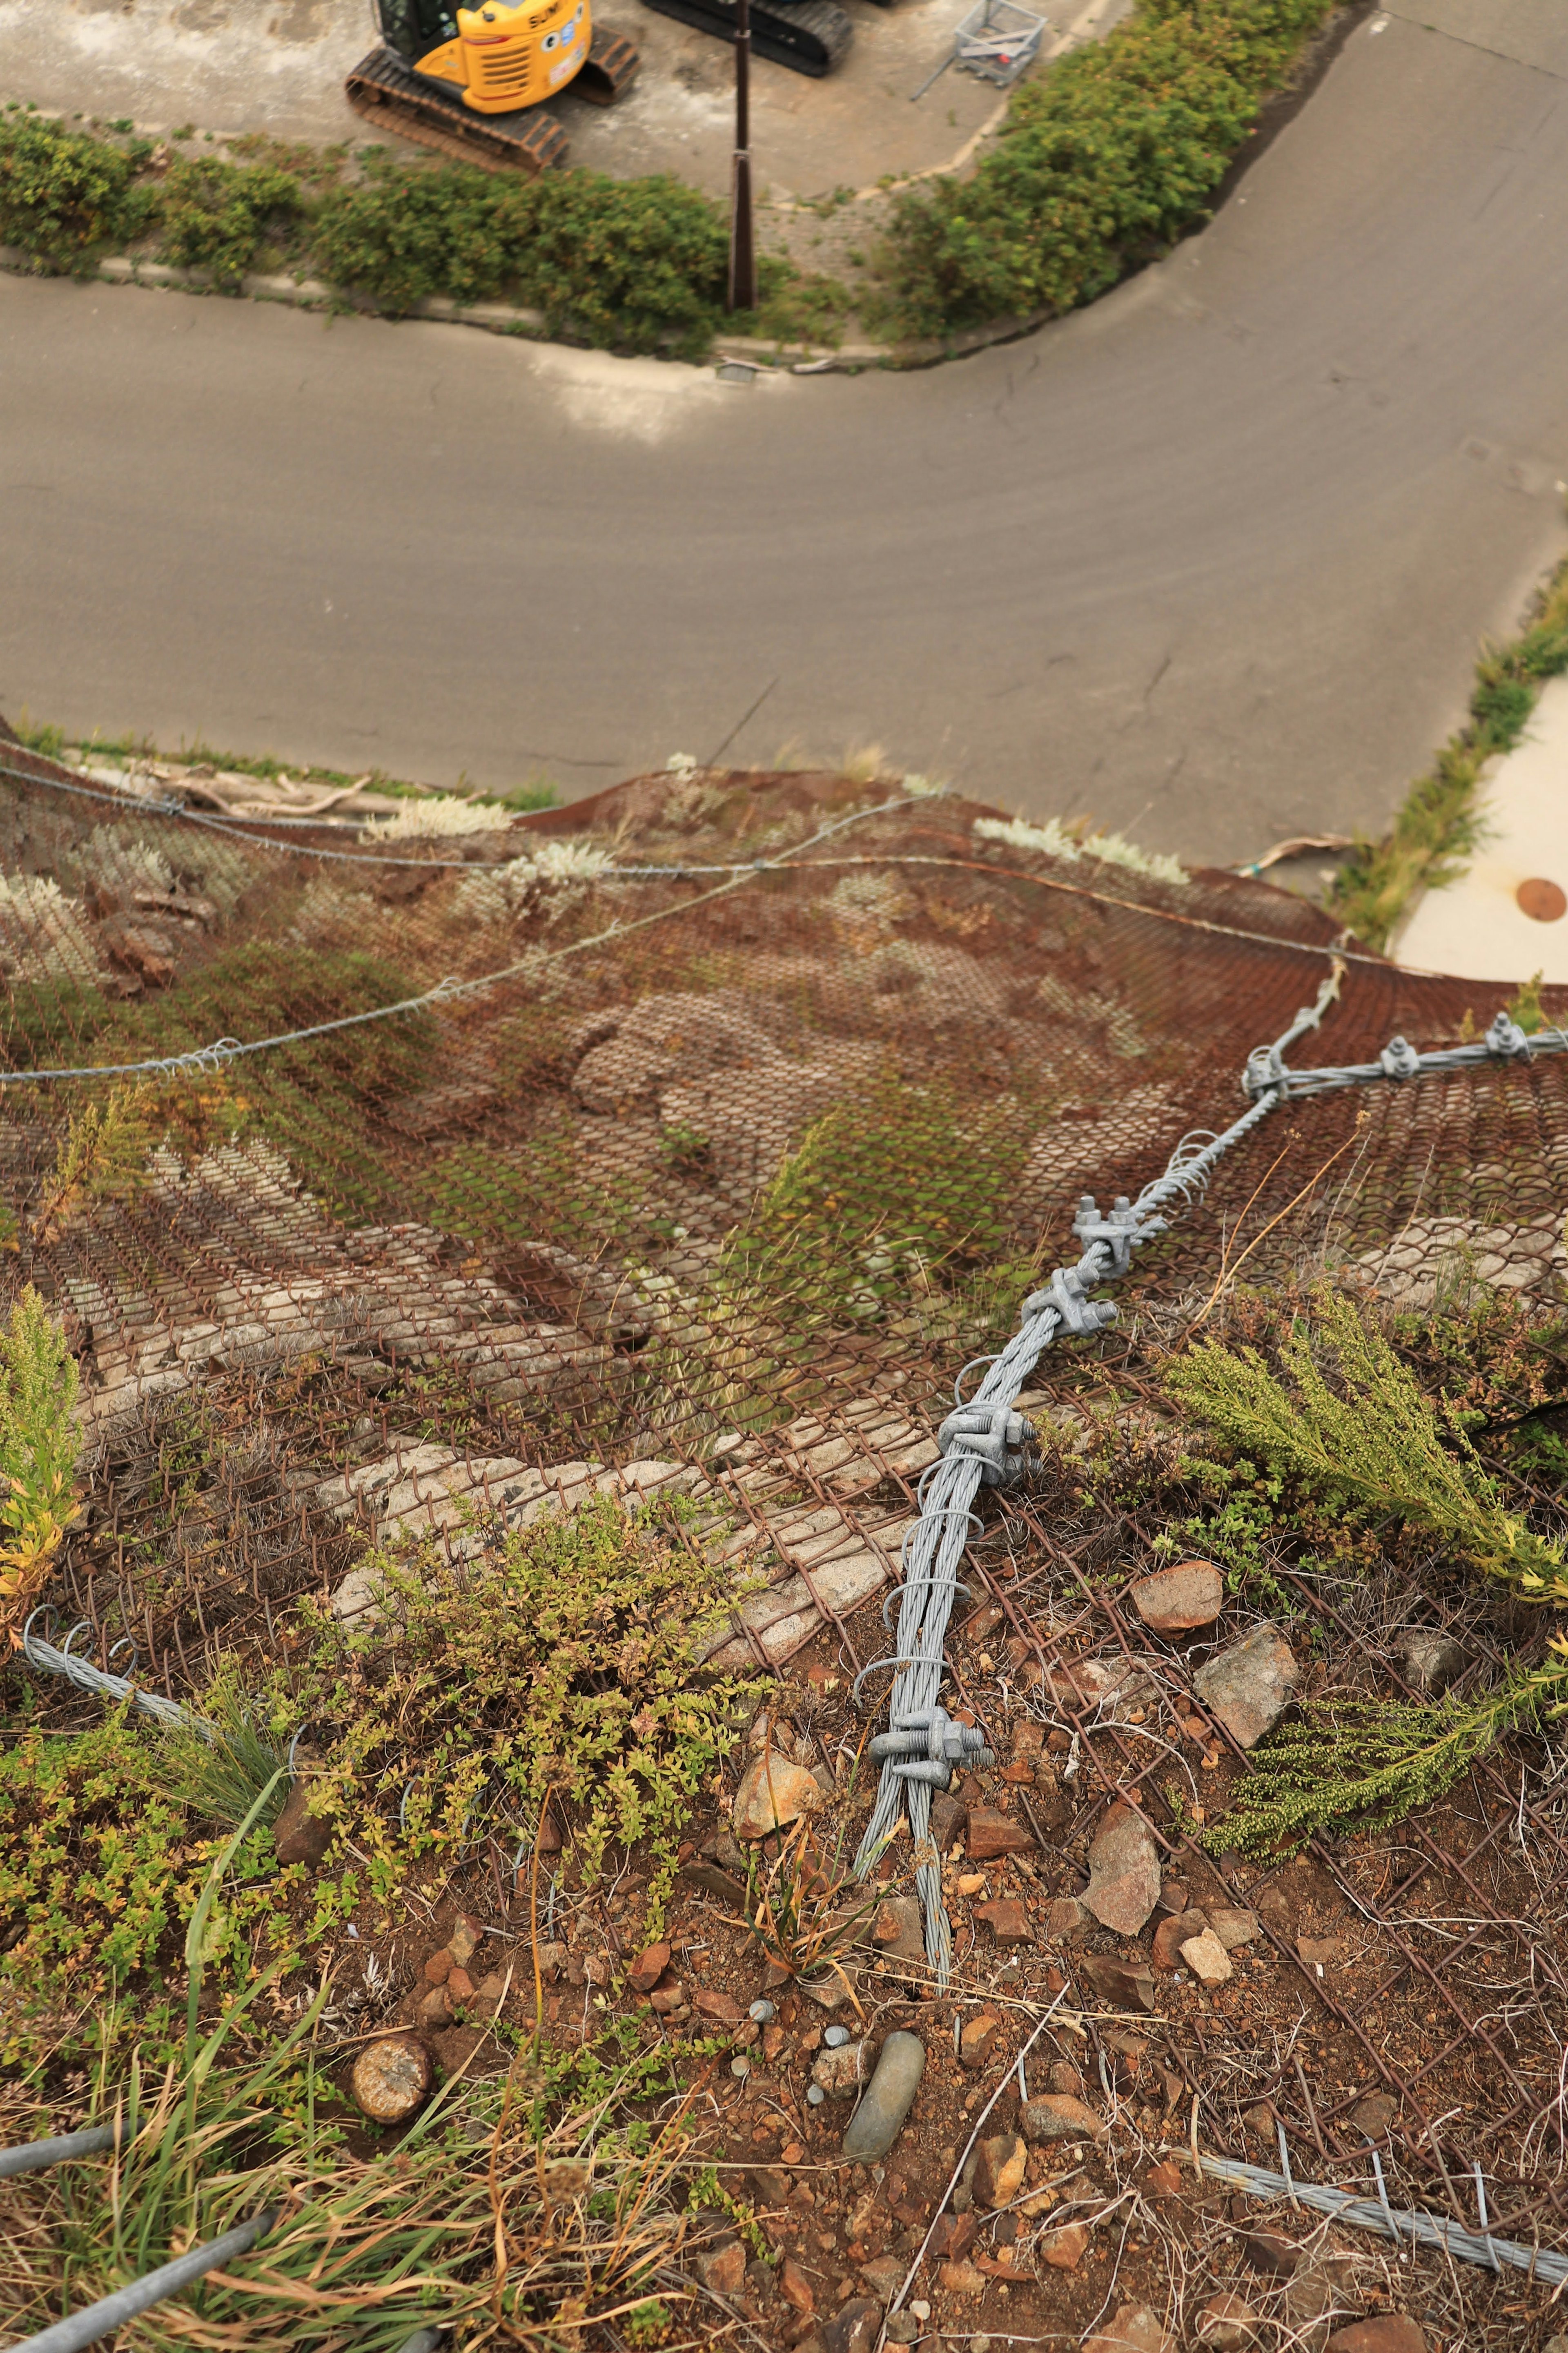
(815,2095)
(740,2066)
(835,2037)
(763,2012)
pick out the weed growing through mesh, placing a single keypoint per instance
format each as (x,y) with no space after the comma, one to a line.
(38,1448)
(564,1660)
(1338,1414)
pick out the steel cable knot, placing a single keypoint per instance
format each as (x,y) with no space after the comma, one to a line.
(1120,1230)
(1399,1059)
(1076,1312)
(926,1745)
(992,1435)
(1506,1038)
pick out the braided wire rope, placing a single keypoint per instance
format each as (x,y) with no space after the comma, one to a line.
(982,1442)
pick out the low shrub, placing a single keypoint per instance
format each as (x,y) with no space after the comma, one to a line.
(64,193)
(218,215)
(1100,164)
(637,263)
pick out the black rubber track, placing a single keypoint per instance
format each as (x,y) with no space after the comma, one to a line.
(382,88)
(811,37)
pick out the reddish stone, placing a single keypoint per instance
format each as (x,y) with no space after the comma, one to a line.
(1163,2180)
(1172,1934)
(461,1985)
(1066,2248)
(438,1967)
(1006,1919)
(991,1834)
(722,2008)
(647,1969)
(953,2235)
(979,2038)
(1174,1600)
(435,2008)
(299,1836)
(1391,2332)
(795,2288)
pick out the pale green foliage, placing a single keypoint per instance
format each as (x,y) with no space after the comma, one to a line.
(38,1447)
(221,1764)
(1362,1766)
(101,1157)
(1372,1439)
(1054,840)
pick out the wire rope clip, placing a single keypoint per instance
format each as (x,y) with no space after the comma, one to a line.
(1506,1038)
(1120,1228)
(926,1745)
(1399,1059)
(992,1435)
(1074,1310)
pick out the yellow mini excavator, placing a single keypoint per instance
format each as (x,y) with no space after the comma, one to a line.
(470,80)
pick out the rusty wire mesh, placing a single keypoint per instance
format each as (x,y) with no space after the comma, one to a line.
(547,1228)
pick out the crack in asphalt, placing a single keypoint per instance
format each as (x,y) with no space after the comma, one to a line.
(1464,42)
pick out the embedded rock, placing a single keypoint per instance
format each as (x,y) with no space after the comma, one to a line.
(1066,1917)
(1007,1920)
(1429,1661)
(1123,1872)
(1207,1958)
(1065,2248)
(979,2038)
(1391,2332)
(1057,2115)
(1232,1926)
(722,2008)
(854,2328)
(1173,1934)
(991,1834)
(299,1836)
(1175,1601)
(998,2173)
(840,2071)
(772,1794)
(724,2271)
(1134,2329)
(1129,1989)
(1249,1686)
(648,1967)
(392,2078)
(1227,2323)
(889,2097)
(468,1935)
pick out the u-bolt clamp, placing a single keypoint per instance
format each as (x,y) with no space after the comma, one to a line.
(927,1745)
(1120,1229)
(993,1435)
(1506,1038)
(1400,1059)
(1074,1310)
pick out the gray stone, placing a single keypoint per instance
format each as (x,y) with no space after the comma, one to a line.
(1429,1661)
(1249,1686)
(1233,1926)
(835,2036)
(1123,1872)
(762,2011)
(842,2070)
(889,2097)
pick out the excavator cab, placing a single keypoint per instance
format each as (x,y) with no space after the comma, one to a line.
(452,77)
(499,58)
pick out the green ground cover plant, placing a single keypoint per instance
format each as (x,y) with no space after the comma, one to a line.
(1100,164)
(1439,824)
(38,1447)
(1332,1409)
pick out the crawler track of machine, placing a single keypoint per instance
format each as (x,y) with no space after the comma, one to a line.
(385,90)
(811,36)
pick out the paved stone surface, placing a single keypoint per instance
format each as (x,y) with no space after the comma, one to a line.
(1289,478)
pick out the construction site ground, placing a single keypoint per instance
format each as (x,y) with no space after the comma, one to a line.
(233,68)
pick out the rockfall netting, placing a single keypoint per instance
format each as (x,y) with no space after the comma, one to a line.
(727,1116)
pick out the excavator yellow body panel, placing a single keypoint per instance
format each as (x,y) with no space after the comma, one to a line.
(506,57)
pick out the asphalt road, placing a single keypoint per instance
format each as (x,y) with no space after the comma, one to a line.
(1210,561)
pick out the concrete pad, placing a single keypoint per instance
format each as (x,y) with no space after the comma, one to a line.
(276,65)
(1476,927)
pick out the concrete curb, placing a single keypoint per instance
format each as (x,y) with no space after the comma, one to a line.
(508,318)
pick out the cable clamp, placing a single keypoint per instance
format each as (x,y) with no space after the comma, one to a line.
(1506,1038)
(927,1745)
(1122,1229)
(993,1435)
(1399,1059)
(1075,1312)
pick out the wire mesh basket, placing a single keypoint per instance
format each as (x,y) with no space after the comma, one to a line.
(997,40)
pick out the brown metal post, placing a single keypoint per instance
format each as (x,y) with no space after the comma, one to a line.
(742,252)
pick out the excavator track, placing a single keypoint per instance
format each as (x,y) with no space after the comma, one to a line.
(811,36)
(385,90)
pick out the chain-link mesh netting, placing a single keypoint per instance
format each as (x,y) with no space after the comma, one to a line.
(764,1128)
